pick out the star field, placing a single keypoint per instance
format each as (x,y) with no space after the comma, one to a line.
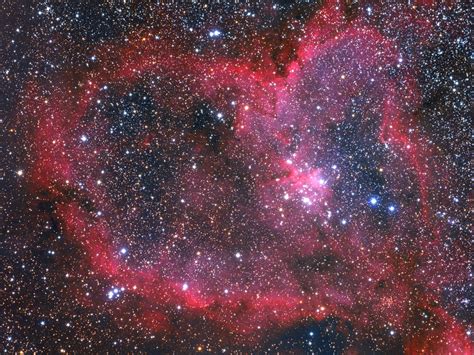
(276,177)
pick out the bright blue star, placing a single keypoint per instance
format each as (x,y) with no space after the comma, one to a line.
(374,201)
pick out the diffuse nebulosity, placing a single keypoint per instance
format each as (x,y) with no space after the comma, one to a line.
(219,187)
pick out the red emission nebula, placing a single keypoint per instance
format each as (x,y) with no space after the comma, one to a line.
(235,197)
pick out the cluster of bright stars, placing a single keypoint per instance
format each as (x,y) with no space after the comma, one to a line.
(374,202)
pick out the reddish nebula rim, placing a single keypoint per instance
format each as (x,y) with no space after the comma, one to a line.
(267,104)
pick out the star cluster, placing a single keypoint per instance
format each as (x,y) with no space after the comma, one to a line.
(236,178)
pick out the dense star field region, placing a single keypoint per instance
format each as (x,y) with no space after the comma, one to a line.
(227,177)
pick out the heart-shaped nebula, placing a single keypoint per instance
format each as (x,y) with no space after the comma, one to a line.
(235,178)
